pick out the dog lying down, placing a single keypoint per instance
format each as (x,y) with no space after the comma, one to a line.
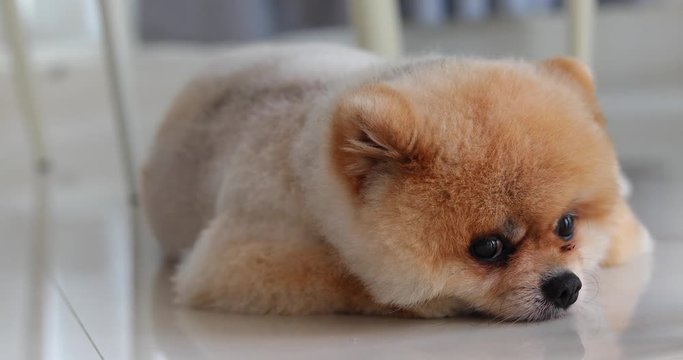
(315,179)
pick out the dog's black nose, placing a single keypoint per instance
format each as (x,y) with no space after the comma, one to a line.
(562,290)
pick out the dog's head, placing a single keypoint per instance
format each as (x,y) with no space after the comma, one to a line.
(488,184)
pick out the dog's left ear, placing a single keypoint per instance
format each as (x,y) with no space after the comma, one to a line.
(376,132)
(577,75)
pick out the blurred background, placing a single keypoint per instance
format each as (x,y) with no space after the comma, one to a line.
(77,275)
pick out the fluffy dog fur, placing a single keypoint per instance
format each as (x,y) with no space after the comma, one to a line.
(311,179)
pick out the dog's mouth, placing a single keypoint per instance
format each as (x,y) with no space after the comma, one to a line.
(529,308)
(543,311)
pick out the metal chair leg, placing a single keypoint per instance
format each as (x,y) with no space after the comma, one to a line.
(120,97)
(25,84)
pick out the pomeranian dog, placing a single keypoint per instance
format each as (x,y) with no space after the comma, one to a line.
(315,179)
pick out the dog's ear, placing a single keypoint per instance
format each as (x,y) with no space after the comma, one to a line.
(576,74)
(375,132)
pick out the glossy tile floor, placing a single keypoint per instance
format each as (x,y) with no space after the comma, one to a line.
(75,285)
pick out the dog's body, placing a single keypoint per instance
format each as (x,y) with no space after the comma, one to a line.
(296,177)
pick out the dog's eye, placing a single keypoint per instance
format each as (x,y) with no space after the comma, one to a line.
(565,227)
(489,248)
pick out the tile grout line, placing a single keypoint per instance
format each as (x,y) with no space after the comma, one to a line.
(62,294)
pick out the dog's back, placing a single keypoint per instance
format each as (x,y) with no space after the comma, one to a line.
(226,140)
